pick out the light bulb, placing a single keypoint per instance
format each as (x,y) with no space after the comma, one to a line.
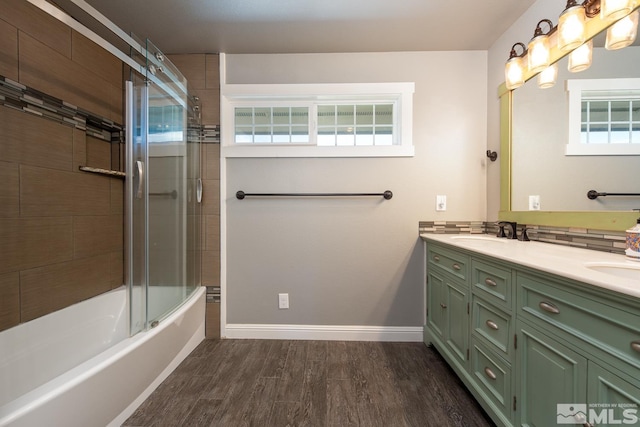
(538,53)
(514,72)
(580,59)
(623,33)
(547,78)
(571,28)
(615,9)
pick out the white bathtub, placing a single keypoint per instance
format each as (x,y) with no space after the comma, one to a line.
(78,367)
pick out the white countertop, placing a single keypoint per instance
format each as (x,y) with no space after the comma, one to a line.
(560,260)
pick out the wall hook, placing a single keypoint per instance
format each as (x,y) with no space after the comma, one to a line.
(492,155)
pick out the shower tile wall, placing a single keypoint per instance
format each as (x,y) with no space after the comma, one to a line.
(202,73)
(60,229)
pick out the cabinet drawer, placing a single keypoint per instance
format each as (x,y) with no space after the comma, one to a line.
(452,262)
(492,282)
(493,325)
(601,323)
(493,375)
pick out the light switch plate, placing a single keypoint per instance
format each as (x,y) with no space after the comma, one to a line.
(441,202)
(534,203)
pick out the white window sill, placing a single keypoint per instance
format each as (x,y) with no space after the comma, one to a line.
(246,151)
(603,150)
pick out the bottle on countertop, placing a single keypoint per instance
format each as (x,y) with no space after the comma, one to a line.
(633,242)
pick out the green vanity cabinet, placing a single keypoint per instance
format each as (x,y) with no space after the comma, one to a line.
(524,340)
(448,304)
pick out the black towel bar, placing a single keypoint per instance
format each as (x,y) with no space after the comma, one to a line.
(241,195)
(593,194)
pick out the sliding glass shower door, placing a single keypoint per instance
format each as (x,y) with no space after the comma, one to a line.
(161,193)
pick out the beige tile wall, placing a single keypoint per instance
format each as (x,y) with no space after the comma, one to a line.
(61,229)
(202,73)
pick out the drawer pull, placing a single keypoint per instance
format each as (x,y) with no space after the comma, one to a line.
(493,325)
(490,282)
(635,345)
(436,258)
(443,305)
(456,267)
(548,307)
(488,372)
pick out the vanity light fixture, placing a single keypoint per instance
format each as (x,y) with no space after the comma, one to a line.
(571,26)
(615,9)
(514,69)
(580,58)
(623,33)
(547,78)
(538,51)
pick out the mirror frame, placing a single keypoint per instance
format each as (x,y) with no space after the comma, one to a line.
(597,220)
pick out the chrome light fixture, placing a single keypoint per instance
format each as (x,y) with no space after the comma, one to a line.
(623,33)
(515,68)
(538,51)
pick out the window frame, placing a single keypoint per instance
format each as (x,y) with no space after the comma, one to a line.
(575,88)
(244,95)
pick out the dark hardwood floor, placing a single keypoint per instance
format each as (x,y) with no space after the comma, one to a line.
(310,383)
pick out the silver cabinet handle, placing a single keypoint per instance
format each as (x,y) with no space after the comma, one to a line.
(635,345)
(490,282)
(488,372)
(436,258)
(140,173)
(443,305)
(549,308)
(493,325)
(199,190)
(456,267)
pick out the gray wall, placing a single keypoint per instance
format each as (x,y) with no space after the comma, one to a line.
(354,261)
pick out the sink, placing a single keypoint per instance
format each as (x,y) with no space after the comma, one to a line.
(479,239)
(623,270)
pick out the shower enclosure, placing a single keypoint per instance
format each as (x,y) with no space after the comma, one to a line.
(163,197)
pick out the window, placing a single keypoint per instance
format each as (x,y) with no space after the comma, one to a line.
(317,120)
(604,117)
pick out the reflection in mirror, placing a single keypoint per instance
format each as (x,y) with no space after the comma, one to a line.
(540,164)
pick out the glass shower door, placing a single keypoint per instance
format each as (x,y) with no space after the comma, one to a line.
(158,160)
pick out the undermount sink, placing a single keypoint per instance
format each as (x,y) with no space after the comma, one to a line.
(478,239)
(623,270)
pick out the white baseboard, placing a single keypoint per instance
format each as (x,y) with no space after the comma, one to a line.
(325,332)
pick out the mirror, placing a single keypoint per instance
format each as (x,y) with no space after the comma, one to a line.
(537,165)
(540,134)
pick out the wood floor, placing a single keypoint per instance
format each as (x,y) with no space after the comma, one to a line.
(310,383)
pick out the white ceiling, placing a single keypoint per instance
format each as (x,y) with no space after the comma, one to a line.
(314,26)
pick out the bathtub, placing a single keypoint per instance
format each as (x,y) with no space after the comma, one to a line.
(79,367)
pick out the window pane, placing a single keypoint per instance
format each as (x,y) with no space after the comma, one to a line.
(300,115)
(281,134)
(598,134)
(244,116)
(244,134)
(384,135)
(364,114)
(635,115)
(585,108)
(620,111)
(281,116)
(327,136)
(620,134)
(326,115)
(384,114)
(262,134)
(345,135)
(346,115)
(364,135)
(262,116)
(599,111)
(635,134)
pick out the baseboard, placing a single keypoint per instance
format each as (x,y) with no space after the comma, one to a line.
(325,332)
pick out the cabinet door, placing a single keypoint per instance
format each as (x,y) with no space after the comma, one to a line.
(457,320)
(435,300)
(610,396)
(550,374)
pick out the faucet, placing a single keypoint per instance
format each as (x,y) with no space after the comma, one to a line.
(512,230)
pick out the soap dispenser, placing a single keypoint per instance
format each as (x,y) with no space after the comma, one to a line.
(633,242)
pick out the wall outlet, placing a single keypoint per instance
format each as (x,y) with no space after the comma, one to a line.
(283,301)
(441,203)
(534,203)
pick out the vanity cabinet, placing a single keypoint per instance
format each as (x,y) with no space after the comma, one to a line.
(524,340)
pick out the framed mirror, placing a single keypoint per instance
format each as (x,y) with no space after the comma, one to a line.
(534,160)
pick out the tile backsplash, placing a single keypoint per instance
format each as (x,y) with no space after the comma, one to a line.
(599,240)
